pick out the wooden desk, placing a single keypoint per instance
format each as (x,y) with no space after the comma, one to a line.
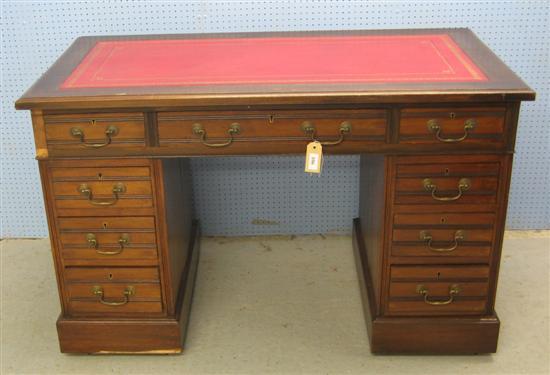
(433,114)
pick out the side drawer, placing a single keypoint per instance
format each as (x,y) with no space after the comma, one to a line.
(438,290)
(102,187)
(107,239)
(443,234)
(452,126)
(113,291)
(202,132)
(447,180)
(114,299)
(112,274)
(95,131)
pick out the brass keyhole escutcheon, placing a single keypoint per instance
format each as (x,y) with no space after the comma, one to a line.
(446,171)
(443,220)
(452,115)
(104,225)
(271,119)
(110,276)
(100,176)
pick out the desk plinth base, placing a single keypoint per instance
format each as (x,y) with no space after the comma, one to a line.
(135,336)
(438,335)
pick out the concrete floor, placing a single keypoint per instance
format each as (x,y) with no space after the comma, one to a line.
(286,305)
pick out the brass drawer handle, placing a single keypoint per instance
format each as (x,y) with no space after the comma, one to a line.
(129,291)
(309,129)
(463,185)
(454,289)
(460,235)
(122,241)
(110,132)
(234,128)
(118,188)
(434,127)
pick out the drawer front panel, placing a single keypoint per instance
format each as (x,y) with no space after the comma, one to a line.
(108,247)
(106,223)
(438,290)
(113,291)
(112,274)
(102,187)
(95,131)
(92,307)
(452,125)
(450,190)
(413,235)
(179,128)
(439,273)
(444,181)
(420,308)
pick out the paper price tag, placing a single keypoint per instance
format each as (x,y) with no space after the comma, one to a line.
(314,157)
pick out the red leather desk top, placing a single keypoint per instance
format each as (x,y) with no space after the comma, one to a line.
(284,60)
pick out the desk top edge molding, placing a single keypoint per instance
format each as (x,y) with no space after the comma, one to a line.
(502,84)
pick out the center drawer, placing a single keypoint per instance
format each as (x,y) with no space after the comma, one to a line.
(338,130)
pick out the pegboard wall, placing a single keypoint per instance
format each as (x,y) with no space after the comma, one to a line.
(268,195)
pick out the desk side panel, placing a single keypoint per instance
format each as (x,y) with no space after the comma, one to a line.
(372,208)
(175,219)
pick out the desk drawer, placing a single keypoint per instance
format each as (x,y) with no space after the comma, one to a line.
(113,290)
(443,234)
(107,239)
(95,131)
(112,274)
(114,298)
(452,125)
(438,290)
(447,180)
(102,187)
(186,129)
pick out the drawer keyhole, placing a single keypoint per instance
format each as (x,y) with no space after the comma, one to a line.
(452,115)
(446,171)
(438,275)
(104,225)
(443,220)
(100,176)
(110,276)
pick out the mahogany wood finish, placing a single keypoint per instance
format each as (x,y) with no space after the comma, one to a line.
(435,172)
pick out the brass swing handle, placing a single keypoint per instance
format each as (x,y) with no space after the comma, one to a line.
(454,289)
(460,235)
(122,241)
(463,185)
(309,129)
(118,188)
(110,132)
(435,128)
(129,291)
(234,128)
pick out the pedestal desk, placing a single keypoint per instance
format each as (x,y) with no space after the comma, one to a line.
(433,114)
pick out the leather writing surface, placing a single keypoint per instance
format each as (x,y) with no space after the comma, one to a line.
(277,60)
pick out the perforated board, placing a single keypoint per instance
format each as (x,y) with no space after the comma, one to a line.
(268,195)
